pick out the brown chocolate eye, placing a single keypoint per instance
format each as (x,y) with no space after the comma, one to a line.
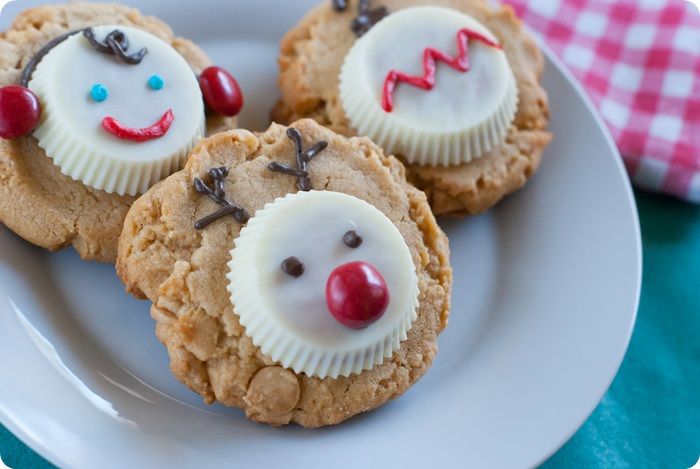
(293,267)
(352,239)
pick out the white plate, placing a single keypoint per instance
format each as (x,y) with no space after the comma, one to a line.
(545,297)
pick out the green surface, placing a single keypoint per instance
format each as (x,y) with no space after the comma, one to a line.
(650,417)
(16,455)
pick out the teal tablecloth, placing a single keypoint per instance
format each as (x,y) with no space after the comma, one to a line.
(650,417)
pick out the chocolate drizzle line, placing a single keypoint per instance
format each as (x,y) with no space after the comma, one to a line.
(32,64)
(366,17)
(340,5)
(303,158)
(116,44)
(218,195)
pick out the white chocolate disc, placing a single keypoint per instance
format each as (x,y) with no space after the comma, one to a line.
(287,317)
(71,130)
(461,118)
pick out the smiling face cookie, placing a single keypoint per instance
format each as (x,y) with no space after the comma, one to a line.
(308,281)
(449,86)
(97,125)
(121,121)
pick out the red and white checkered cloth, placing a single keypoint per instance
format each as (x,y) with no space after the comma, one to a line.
(640,62)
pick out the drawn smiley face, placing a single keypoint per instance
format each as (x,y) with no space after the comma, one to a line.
(110,115)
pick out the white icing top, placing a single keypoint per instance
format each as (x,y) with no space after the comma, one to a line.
(288,317)
(462,117)
(71,130)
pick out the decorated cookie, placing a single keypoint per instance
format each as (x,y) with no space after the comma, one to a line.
(98,104)
(308,282)
(451,87)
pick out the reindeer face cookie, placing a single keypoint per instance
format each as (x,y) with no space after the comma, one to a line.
(111,109)
(290,273)
(451,87)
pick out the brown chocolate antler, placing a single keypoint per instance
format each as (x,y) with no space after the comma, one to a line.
(303,158)
(218,195)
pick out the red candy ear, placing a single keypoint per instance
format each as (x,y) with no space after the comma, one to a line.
(221,91)
(19,111)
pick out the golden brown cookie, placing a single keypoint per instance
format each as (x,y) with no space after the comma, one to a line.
(310,60)
(183,271)
(37,201)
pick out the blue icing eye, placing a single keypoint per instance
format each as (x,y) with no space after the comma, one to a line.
(99,92)
(156,82)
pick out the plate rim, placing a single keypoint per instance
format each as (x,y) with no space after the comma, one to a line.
(629,192)
(54,457)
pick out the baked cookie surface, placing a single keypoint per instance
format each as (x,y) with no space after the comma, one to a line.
(37,201)
(182,270)
(311,58)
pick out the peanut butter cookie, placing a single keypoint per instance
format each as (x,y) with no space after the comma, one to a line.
(70,164)
(294,274)
(452,87)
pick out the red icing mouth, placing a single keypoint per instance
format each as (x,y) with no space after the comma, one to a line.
(431,57)
(157,130)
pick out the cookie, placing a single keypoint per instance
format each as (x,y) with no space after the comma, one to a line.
(294,274)
(452,87)
(129,110)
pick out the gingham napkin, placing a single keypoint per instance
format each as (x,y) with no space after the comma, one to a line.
(640,62)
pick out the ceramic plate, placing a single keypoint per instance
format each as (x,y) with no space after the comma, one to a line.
(545,297)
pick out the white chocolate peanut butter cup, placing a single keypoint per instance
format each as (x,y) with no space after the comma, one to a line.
(287,316)
(155,105)
(465,112)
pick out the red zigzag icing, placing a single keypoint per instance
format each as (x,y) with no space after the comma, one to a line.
(430,58)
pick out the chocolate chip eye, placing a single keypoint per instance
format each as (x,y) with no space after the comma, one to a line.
(293,267)
(352,239)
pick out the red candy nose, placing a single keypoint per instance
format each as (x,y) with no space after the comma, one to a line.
(19,111)
(221,91)
(356,294)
